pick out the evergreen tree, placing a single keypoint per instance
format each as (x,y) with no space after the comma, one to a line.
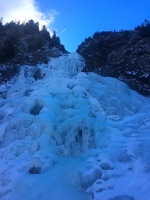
(55,39)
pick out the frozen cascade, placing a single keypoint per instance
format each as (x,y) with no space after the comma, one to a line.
(55,113)
(70,64)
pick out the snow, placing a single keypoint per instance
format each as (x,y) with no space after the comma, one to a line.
(71,135)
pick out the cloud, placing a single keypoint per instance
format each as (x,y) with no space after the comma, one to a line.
(64,30)
(24,10)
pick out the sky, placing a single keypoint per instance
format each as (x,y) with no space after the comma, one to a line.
(76,20)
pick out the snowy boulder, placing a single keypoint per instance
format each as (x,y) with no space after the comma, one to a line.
(125,157)
(97,188)
(88,179)
(106,166)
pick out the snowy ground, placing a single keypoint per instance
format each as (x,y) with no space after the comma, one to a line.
(67,135)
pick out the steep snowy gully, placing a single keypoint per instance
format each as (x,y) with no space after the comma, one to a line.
(68,135)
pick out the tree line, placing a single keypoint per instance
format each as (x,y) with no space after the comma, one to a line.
(16,36)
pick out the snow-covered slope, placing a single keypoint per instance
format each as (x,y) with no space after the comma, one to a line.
(68,135)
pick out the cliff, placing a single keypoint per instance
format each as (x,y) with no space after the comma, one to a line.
(124,55)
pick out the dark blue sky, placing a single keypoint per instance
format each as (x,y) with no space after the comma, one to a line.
(81,18)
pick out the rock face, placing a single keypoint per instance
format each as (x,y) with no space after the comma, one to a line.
(124,55)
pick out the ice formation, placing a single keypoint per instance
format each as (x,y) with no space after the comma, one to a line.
(66,134)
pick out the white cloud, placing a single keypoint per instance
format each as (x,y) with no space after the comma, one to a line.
(24,10)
